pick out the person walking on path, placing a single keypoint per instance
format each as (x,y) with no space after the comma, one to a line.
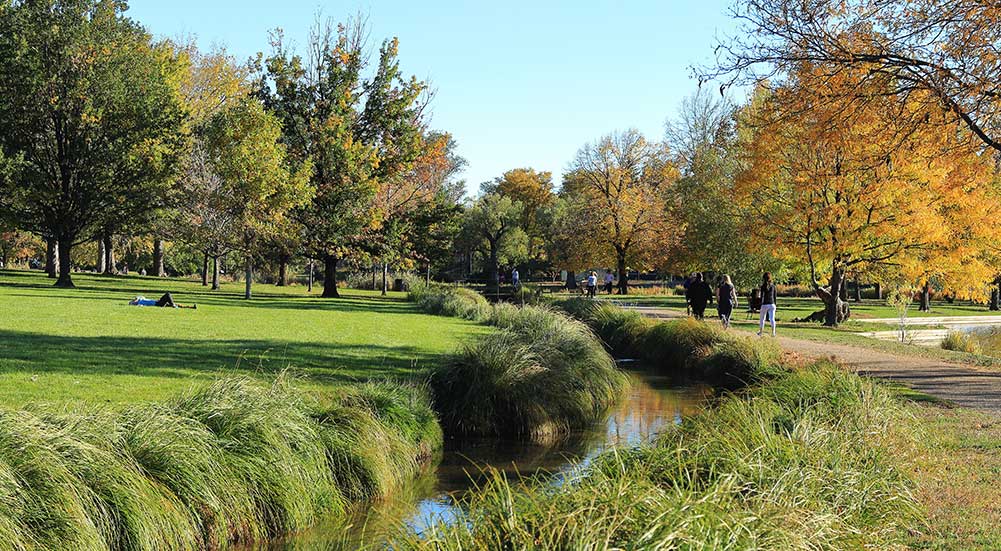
(515,278)
(592,284)
(609,280)
(699,294)
(726,300)
(767,303)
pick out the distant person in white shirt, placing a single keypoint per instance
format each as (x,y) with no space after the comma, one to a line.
(592,284)
(515,278)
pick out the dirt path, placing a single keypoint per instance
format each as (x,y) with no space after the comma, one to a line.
(956,383)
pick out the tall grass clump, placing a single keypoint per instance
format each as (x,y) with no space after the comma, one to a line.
(447,300)
(542,375)
(270,441)
(803,461)
(234,461)
(377,437)
(961,342)
(685,347)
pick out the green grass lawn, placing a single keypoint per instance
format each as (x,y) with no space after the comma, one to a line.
(790,308)
(88,345)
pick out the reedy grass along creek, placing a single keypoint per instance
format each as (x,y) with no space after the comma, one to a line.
(233,461)
(800,462)
(543,375)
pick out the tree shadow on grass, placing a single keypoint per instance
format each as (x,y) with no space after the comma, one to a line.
(275,302)
(326,363)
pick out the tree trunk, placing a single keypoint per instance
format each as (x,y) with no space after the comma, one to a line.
(52,258)
(309,278)
(330,277)
(858,291)
(996,296)
(836,309)
(385,277)
(427,277)
(109,255)
(375,275)
(571,282)
(620,265)
(879,291)
(100,256)
(65,263)
(249,275)
(282,272)
(215,273)
(925,305)
(205,269)
(158,269)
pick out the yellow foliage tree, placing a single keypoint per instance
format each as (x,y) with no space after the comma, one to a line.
(838,183)
(619,188)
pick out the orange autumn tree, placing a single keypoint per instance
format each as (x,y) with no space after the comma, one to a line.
(618,188)
(834,182)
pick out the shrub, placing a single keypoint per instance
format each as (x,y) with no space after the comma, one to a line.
(541,376)
(683,347)
(502,314)
(961,342)
(737,361)
(621,330)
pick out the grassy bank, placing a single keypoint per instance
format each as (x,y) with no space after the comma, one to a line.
(540,377)
(87,345)
(956,467)
(683,348)
(804,461)
(231,461)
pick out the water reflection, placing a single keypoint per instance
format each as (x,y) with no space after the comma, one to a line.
(651,404)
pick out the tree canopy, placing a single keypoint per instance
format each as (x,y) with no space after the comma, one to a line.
(92,117)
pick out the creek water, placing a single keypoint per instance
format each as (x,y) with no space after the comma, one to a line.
(652,403)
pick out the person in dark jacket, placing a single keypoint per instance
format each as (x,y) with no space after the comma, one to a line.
(166,301)
(698,295)
(726,300)
(767,303)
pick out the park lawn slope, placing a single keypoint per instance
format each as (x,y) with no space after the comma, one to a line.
(87,344)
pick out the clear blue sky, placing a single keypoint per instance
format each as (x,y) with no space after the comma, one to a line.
(518,83)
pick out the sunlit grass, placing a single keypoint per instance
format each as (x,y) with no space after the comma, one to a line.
(87,344)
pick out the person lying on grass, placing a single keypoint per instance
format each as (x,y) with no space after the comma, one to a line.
(166,301)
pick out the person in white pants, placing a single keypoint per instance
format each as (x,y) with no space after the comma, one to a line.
(767,303)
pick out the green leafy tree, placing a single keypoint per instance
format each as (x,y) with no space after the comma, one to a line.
(704,141)
(492,225)
(257,185)
(199,215)
(91,119)
(534,190)
(360,135)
